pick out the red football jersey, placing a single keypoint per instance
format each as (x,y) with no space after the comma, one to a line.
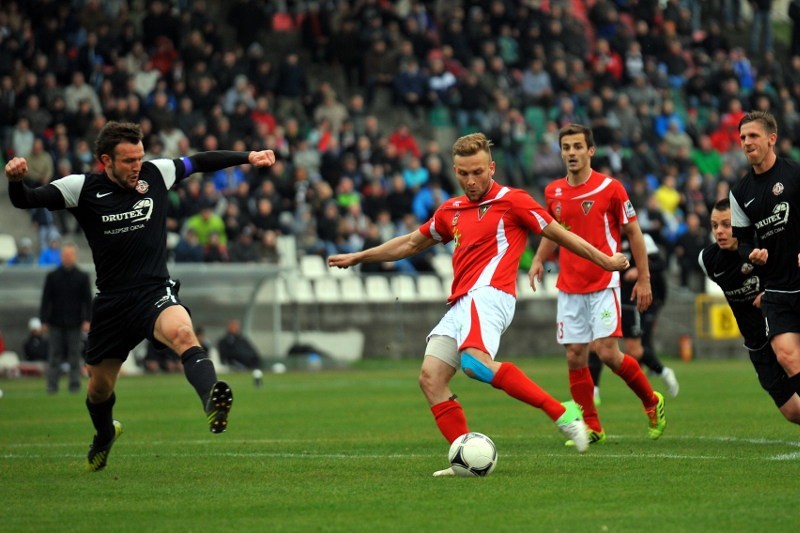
(596,210)
(489,235)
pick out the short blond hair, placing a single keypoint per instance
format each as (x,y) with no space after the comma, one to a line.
(472,144)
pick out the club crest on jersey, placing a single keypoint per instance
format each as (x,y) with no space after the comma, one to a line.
(455,217)
(557,211)
(777,189)
(586,206)
(142,186)
(482,210)
(747,268)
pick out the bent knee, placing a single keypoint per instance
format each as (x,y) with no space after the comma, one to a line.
(184,334)
(427,381)
(474,368)
(99,389)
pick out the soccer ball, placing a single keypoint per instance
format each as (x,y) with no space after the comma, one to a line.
(473,454)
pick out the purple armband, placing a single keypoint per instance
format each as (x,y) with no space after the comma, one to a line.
(187,165)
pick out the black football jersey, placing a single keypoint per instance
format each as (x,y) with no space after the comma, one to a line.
(739,280)
(769,204)
(126,229)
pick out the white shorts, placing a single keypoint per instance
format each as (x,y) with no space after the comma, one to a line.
(582,318)
(476,320)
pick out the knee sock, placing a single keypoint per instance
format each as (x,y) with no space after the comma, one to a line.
(102,418)
(581,387)
(595,367)
(632,374)
(450,419)
(516,384)
(199,371)
(652,362)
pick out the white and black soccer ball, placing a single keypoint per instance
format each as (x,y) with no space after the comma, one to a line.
(473,454)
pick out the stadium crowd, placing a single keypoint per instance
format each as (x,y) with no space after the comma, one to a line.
(663,85)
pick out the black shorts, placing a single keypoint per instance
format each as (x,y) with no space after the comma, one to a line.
(631,322)
(771,375)
(121,320)
(781,311)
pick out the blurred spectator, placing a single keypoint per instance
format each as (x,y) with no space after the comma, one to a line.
(414,173)
(707,159)
(216,250)
(547,164)
(65,313)
(794,16)
(189,249)
(236,350)
(292,88)
(249,18)
(159,22)
(205,223)
(22,138)
(404,141)
(161,360)
(441,82)
(429,197)
(244,249)
(410,89)
(379,68)
(39,118)
(267,248)
(37,346)
(40,165)
(676,139)
(400,198)
(25,254)
(332,110)
(77,91)
(471,103)
(687,250)
(761,32)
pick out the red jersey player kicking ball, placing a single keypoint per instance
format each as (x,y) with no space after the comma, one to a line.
(597,208)
(489,226)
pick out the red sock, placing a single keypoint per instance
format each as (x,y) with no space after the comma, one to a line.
(632,373)
(581,387)
(516,384)
(450,418)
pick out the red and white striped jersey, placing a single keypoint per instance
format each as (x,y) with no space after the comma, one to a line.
(489,235)
(595,210)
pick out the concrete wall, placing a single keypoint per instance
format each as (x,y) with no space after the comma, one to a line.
(215,294)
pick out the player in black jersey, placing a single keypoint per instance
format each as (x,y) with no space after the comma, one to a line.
(638,328)
(739,280)
(123,211)
(765,215)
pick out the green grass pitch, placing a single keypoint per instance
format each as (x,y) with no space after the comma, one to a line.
(354,450)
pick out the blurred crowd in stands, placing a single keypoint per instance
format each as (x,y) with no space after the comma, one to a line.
(350,111)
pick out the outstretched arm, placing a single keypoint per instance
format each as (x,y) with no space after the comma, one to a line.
(578,245)
(23,196)
(392,250)
(218,159)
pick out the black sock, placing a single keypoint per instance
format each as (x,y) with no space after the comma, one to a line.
(102,418)
(652,362)
(595,367)
(199,371)
(795,381)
